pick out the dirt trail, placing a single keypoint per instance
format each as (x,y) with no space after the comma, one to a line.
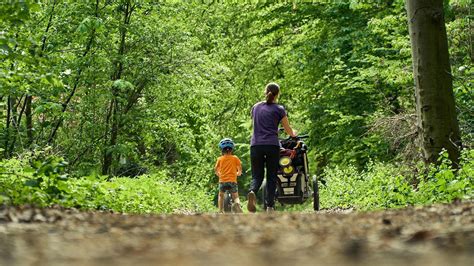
(434,235)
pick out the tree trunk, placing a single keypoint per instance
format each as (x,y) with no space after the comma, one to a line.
(108,156)
(29,120)
(9,110)
(114,104)
(17,125)
(65,105)
(435,107)
(7,126)
(29,98)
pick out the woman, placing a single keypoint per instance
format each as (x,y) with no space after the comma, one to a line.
(264,146)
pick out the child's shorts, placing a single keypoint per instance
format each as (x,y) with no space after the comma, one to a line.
(228,186)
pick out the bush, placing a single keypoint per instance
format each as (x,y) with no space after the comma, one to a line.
(45,184)
(380,186)
(443,184)
(386,185)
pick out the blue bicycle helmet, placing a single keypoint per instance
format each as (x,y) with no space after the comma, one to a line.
(226,143)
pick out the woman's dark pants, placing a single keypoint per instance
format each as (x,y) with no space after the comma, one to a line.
(261,156)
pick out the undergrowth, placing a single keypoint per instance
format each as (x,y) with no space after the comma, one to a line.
(381,186)
(384,185)
(44,183)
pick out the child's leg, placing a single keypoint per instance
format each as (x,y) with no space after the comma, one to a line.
(235,197)
(220,201)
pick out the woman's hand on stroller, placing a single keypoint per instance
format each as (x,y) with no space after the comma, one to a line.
(286,126)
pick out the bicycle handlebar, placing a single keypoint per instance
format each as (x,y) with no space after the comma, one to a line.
(297,137)
(305,136)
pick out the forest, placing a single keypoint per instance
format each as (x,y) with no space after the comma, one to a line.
(120,104)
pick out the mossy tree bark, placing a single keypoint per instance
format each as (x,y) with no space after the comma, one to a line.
(435,107)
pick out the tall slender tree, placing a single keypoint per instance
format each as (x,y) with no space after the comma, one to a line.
(127,8)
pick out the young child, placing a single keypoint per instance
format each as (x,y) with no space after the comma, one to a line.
(228,167)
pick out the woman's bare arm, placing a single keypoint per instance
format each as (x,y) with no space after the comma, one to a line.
(286,125)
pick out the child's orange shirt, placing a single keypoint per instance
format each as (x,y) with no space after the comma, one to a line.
(227,167)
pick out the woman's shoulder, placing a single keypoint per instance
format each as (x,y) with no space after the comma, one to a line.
(281,110)
(257,104)
(279,106)
(274,106)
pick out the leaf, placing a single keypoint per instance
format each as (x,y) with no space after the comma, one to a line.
(29,169)
(32,183)
(5,49)
(84,25)
(63,186)
(122,85)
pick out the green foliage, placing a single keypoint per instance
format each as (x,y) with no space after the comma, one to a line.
(390,186)
(157,84)
(377,187)
(443,184)
(44,184)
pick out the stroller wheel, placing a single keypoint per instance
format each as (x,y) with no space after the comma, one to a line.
(315,194)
